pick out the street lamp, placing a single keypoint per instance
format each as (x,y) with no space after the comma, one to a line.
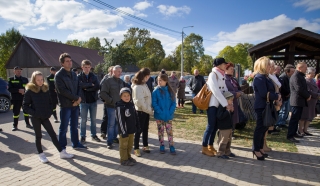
(182,49)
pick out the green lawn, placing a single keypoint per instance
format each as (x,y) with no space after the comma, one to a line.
(191,126)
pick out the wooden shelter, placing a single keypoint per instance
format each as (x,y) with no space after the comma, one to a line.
(289,48)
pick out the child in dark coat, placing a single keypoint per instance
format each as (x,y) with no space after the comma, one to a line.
(127,118)
(225,123)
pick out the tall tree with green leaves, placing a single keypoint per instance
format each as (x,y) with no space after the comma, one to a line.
(76,42)
(205,65)
(154,54)
(8,42)
(93,43)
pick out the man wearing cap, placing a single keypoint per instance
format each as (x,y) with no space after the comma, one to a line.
(17,85)
(53,93)
(195,84)
(109,92)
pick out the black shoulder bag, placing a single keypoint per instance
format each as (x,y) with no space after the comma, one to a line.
(269,114)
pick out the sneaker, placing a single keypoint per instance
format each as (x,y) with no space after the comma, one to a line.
(95,138)
(172,150)
(83,140)
(80,147)
(14,128)
(43,158)
(116,140)
(127,163)
(29,126)
(137,152)
(232,155)
(65,155)
(162,150)
(132,160)
(56,121)
(110,146)
(146,149)
(103,135)
(223,157)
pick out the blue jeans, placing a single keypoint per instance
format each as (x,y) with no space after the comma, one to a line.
(68,114)
(84,108)
(294,120)
(112,125)
(194,108)
(211,130)
(283,113)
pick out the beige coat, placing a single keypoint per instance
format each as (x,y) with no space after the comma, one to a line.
(141,97)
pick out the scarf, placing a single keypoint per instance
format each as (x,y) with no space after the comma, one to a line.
(219,70)
(275,80)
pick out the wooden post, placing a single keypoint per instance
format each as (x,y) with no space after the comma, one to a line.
(292,49)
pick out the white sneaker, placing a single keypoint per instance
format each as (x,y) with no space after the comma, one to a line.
(65,155)
(43,158)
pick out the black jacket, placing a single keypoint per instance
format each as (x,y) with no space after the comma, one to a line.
(67,87)
(224,118)
(88,86)
(110,89)
(261,86)
(150,84)
(52,89)
(127,118)
(285,87)
(196,83)
(299,90)
(37,101)
(15,83)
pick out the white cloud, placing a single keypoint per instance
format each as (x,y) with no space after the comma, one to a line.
(169,43)
(142,5)
(310,5)
(132,12)
(19,11)
(173,11)
(40,28)
(260,31)
(317,20)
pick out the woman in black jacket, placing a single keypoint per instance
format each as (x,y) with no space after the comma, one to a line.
(37,103)
(261,86)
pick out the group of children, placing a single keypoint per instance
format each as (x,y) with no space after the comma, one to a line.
(163,103)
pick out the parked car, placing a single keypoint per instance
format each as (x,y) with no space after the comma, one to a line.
(205,78)
(5,96)
(187,90)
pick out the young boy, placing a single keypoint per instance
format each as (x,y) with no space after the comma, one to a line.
(127,118)
(225,122)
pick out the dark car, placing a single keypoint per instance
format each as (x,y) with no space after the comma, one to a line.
(5,96)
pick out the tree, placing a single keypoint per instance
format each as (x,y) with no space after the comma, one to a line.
(8,42)
(167,63)
(75,42)
(93,43)
(154,53)
(55,40)
(205,65)
(229,54)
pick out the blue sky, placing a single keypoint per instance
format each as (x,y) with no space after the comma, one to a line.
(220,23)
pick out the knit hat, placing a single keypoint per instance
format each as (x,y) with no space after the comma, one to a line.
(227,95)
(125,89)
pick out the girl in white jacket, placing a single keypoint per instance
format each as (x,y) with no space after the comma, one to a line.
(141,97)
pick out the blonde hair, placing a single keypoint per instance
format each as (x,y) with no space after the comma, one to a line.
(261,64)
(33,76)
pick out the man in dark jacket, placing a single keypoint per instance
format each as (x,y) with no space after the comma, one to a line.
(17,89)
(89,86)
(196,83)
(109,92)
(67,87)
(299,98)
(285,95)
(52,91)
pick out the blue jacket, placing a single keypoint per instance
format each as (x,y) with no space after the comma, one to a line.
(261,86)
(162,104)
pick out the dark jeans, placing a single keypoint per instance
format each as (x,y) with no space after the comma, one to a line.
(144,127)
(104,124)
(17,104)
(259,131)
(211,130)
(294,120)
(37,122)
(69,114)
(194,108)
(181,102)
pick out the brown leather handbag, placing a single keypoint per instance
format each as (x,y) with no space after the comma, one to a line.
(202,99)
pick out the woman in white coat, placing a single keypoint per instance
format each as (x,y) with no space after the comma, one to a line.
(217,85)
(141,97)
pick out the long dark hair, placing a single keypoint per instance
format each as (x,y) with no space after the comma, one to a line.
(140,75)
(164,77)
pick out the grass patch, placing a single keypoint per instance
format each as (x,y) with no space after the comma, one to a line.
(191,126)
(315,123)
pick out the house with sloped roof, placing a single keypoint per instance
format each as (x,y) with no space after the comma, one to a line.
(35,54)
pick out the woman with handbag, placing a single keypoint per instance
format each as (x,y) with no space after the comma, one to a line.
(216,84)
(263,89)
(308,113)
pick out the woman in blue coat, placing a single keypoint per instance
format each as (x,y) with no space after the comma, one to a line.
(261,86)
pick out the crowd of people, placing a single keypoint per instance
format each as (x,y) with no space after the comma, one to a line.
(129,104)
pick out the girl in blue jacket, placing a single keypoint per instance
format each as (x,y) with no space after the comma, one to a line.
(164,105)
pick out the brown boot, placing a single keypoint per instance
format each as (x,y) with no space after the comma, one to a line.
(265,146)
(206,151)
(212,150)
